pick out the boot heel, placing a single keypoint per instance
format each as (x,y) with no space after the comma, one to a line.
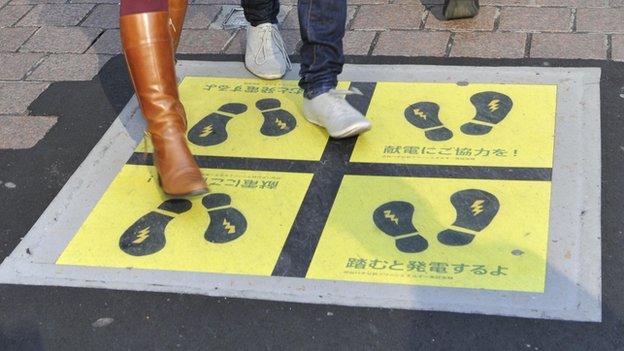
(455,9)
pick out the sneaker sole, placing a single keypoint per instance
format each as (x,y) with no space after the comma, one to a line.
(266,77)
(353,130)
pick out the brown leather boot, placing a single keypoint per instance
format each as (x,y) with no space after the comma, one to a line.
(148,49)
(177,12)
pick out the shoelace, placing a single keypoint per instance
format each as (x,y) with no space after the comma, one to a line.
(341,94)
(270,32)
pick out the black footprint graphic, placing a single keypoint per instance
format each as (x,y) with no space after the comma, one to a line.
(492,108)
(395,219)
(211,130)
(226,223)
(147,235)
(277,121)
(424,115)
(475,210)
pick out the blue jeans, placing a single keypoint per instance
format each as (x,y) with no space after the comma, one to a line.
(322,26)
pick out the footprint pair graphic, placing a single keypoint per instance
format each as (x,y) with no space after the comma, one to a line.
(492,108)
(212,129)
(147,235)
(475,211)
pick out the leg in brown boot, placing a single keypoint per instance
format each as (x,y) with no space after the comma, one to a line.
(148,47)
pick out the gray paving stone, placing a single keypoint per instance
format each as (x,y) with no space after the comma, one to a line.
(12,38)
(571,3)
(392,16)
(94,2)
(14,66)
(489,45)
(292,20)
(15,97)
(358,42)
(23,132)
(36,2)
(9,15)
(617,43)
(536,19)
(103,16)
(56,15)
(194,41)
(108,43)
(608,20)
(403,43)
(61,40)
(58,67)
(201,16)
(560,45)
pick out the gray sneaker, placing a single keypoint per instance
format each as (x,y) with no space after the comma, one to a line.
(332,112)
(265,53)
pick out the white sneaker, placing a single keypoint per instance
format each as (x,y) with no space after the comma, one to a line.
(332,112)
(265,53)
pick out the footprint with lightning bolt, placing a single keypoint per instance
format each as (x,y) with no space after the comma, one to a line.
(475,211)
(211,130)
(492,108)
(226,223)
(277,121)
(424,115)
(395,219)
(147,235)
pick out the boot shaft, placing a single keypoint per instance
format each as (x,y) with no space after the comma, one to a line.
(148,48)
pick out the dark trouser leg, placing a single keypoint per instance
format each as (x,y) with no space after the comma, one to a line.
(260,11)
(322,29)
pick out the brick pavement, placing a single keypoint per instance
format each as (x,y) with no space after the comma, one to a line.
(43,41)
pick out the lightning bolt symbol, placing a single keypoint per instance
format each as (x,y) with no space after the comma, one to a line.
(281,124)
(142,236)
(493,105)
(231,229)
(388,214)
(206,131)
(477,207)
(420,113)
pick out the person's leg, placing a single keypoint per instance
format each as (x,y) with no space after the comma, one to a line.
(322,27)
(265,53)
(322,24)
(258,12)
(148,47)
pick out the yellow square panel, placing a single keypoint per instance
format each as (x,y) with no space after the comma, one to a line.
(505,125)
(251,118)
(239,228)
(482,234)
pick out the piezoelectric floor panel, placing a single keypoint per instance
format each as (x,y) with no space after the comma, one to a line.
(482,234)
(239,228)
(476,191)
(454,124)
